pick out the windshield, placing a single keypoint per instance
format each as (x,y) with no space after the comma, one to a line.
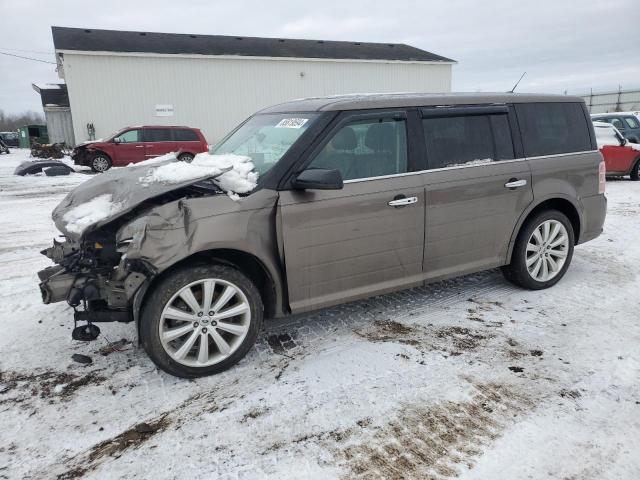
(266,138)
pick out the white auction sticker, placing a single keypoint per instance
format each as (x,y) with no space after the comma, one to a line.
(291,122)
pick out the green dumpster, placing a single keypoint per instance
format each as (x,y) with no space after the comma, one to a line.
(32,133)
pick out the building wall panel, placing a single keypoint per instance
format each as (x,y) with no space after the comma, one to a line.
(214,94)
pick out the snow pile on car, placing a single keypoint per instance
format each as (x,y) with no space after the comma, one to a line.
(232,173)
(93,211)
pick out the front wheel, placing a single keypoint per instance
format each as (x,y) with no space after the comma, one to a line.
(542,252)
(201,320)
(100,163)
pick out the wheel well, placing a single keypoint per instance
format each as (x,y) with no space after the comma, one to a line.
(93,153)
(248,264)
(563,206)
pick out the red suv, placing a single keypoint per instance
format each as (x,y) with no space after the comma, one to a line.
(620,156)
(135,144)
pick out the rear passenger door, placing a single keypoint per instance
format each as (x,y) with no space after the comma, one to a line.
(158,141)
(367,237)
(475,188)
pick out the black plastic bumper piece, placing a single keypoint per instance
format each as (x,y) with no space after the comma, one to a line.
(123,316)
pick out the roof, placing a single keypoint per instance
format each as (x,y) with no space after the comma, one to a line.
(52,94)
(394,100)
(92,40)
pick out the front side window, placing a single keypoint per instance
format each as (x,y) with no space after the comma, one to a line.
(616,122)
(553,128)
(130,136)
(157,135)
(632,122)
(467,140)
(266,138)
(366,148)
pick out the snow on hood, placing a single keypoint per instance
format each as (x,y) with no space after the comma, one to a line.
(117,191)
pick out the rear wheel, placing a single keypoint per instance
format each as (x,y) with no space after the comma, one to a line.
(542,252)
(186,157)
(201,320)
(635,171)
(100,162)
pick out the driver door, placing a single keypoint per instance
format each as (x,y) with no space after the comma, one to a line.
(128,148)
(367,237)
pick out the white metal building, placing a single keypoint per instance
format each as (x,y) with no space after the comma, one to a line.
(116,78)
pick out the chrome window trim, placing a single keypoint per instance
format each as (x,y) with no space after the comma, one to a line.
(456,167)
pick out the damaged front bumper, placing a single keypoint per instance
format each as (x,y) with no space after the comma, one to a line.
(102,294)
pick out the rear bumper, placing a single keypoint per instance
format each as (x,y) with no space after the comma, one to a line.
(595,212)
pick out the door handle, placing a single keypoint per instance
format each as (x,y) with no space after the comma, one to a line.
(139,146)
(515,183)
(401,201)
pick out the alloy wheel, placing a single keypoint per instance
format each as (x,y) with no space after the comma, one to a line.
(204,322)
(547,250)
(100,164)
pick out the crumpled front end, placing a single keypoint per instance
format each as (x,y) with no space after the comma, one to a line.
(92,277)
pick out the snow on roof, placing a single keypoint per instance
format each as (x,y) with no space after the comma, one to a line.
(173,43)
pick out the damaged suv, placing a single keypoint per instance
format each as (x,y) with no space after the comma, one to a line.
(321,201)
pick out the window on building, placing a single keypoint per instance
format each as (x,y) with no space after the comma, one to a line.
(366,148)
(130,136)
(467,139)
(157,135)
(553,128)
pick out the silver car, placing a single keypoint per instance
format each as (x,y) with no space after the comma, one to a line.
(356,195)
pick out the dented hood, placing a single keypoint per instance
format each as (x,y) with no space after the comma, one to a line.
(111,194)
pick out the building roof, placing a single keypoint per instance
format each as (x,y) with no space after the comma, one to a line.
(359,101)
(173,43)
(52,94)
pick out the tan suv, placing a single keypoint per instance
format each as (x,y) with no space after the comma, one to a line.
(356,196)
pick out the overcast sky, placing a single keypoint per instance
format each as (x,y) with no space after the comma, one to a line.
(563,45)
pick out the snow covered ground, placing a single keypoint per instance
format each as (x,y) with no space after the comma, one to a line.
(469,378)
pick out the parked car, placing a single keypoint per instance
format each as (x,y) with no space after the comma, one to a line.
(3,147)
(626,123)
(357,196)
(136,144)
(10,139)
(620,156)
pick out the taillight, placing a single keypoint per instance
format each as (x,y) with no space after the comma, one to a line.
(602,177)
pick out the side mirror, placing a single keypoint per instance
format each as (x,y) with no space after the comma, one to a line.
(117,140)
(318,179)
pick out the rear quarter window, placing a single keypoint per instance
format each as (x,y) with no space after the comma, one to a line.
(553,128)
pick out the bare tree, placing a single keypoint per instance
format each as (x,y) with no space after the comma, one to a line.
(11,122)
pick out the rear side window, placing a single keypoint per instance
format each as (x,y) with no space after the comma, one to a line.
(157,135)
(461,140)
(185,135)
(632,122)
(553,128)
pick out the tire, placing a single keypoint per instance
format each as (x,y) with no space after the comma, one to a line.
(635,171)
(100,162)
(172,353)
(186,157)
(517,271)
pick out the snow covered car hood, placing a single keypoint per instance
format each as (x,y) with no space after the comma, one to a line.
(110,195)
